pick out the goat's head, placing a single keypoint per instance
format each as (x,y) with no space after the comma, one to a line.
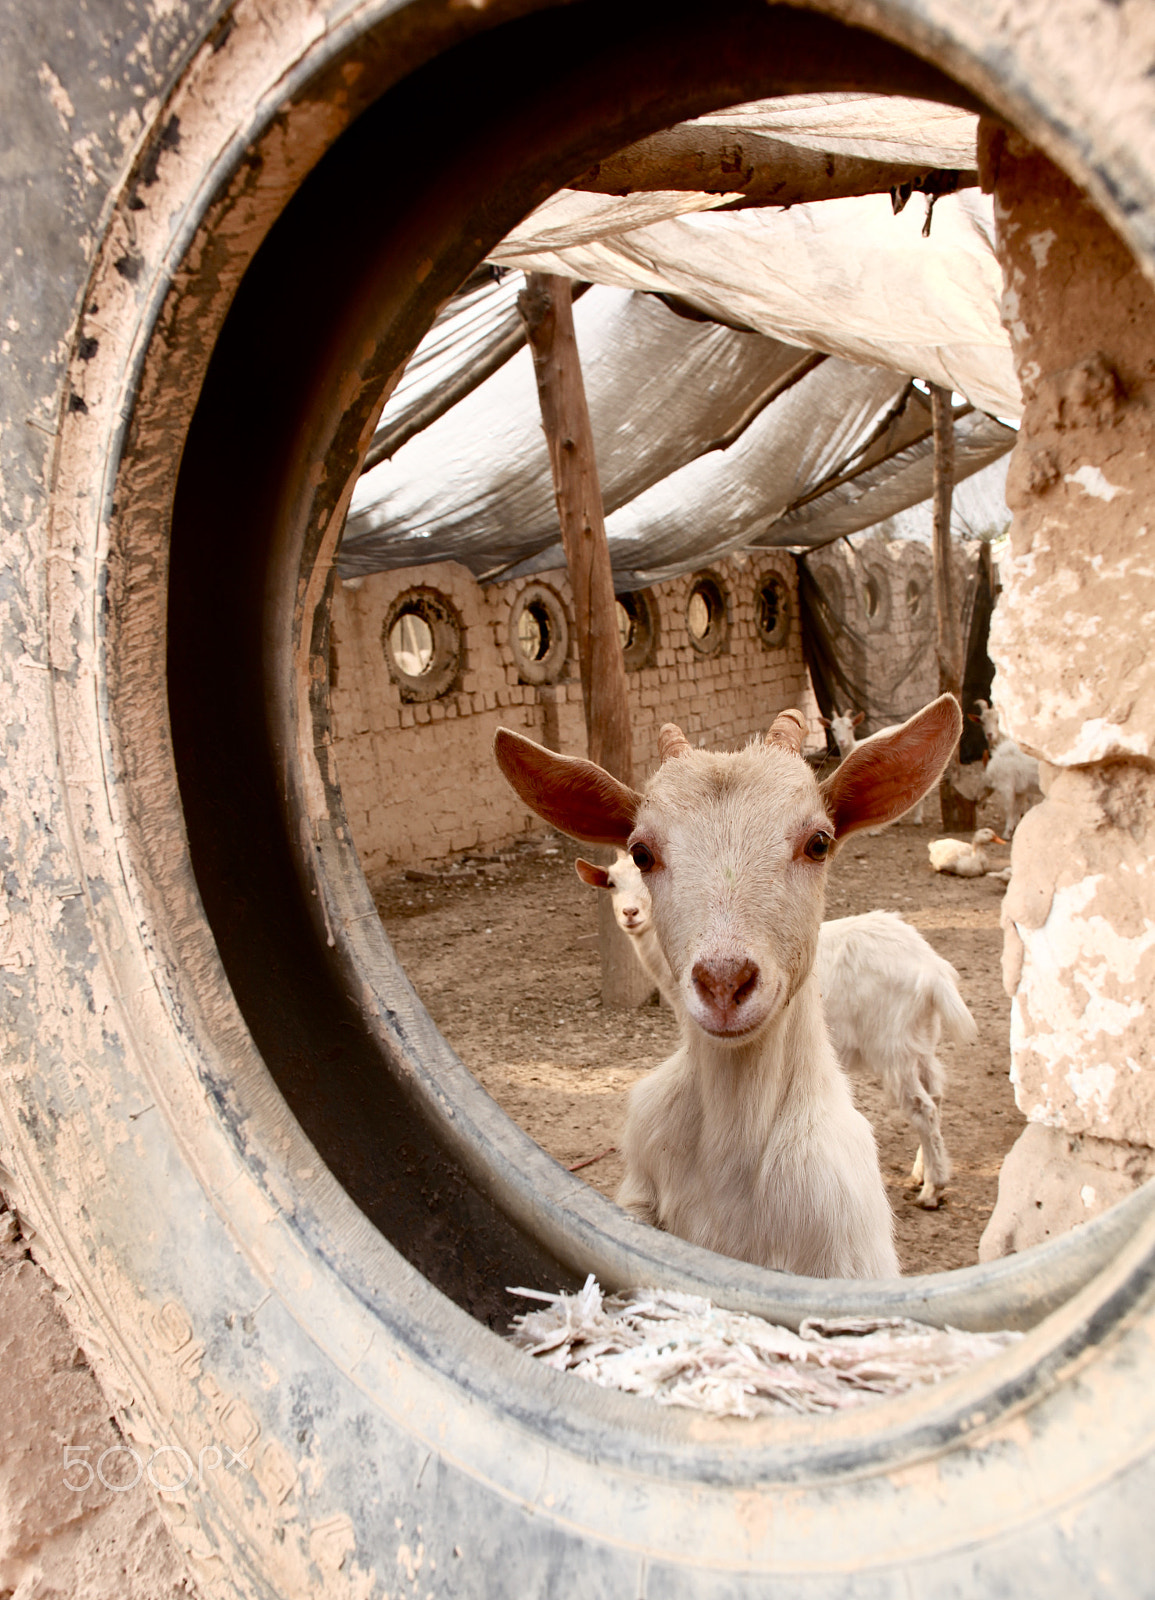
(988,718)
(842,726)
(733,847)
(631,898)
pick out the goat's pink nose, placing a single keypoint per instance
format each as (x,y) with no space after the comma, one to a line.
(725,980)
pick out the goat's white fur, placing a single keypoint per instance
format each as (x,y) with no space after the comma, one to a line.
(747,1140)
(1010,774)
(989,718)
(887,996)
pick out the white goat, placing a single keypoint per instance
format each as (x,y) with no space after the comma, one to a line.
(1010,774)
(747,1140)
(887,996)
(633,912)
(842,726)
(988,717)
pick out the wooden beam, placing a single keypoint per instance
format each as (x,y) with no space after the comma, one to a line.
(546,307)
(958,813)
(765,171)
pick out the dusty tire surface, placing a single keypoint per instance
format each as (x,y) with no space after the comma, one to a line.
(204,1026)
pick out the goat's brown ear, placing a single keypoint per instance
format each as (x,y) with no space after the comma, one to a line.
(572,795)
(825,721)
(596,877)
(888,773)
(861,717)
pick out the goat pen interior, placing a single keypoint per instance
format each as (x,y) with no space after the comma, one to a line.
(427,660)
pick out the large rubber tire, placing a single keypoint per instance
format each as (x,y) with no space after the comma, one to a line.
(283,1211)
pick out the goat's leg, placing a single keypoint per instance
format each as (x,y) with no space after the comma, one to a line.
(932,1164)
(639,1197)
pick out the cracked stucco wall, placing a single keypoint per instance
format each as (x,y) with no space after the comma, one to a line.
(1076,686)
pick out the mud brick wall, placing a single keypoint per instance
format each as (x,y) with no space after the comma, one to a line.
(419,780)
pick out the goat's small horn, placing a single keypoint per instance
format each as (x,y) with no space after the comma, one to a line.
(789,731)
(671,741)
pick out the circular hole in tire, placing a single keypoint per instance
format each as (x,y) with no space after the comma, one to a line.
(539,635)
(772,613)
(422,637)
(706,616)
(202,792)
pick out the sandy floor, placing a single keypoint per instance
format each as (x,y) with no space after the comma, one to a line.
(504,954)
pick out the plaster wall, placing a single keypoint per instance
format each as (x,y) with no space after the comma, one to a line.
(1075,685)
(419,780)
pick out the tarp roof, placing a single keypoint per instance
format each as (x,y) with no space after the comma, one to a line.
(709,438)
(844,276)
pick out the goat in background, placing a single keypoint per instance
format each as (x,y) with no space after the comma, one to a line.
(1010,773)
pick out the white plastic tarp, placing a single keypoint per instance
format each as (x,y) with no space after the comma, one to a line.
(904,479)
(873,127)
(848,277)
(467,329)
(729,499)
(709,439)
(839,447)
(476,485)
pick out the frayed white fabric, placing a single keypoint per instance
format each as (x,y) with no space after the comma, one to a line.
(681,1350)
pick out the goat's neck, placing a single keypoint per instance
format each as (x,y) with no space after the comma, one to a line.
(791,1057)
(655,965)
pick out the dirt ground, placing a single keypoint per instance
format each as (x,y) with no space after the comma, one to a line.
(503,951)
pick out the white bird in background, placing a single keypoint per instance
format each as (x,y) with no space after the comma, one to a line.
(964,860)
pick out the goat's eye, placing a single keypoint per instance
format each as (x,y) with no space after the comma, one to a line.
(643,857)
(817,847)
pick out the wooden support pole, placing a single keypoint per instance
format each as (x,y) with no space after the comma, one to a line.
(958,813)
(546,307)
(547,310)
(947,638)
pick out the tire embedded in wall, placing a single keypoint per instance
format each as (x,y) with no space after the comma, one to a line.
(283,1211)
